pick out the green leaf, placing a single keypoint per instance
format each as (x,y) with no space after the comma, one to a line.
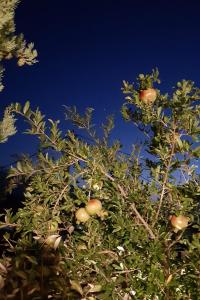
(26,107)
(76,286)
(179,143)
(159,111)
(95,288)
(19,167)
(196,151)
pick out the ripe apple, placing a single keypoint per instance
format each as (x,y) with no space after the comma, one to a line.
(148,96)
(179,222)
(93,206)
(82,215)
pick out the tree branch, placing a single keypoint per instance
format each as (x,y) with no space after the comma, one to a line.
(166,176)
(124,195)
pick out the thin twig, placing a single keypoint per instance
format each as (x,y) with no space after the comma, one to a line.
(176,241)
(124,195)
(7,240)
(8,225)
(124,272)
(59,198)
(146,225)
(166,177)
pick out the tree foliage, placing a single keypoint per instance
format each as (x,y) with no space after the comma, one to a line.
(12,45)
(128,250)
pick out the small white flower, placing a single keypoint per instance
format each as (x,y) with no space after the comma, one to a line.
(132,293)
(139,275)
(114,279)
(120,248)
(179,288)
(183,272)
(121,266)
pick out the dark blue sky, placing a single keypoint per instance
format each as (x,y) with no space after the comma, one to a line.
(86,48)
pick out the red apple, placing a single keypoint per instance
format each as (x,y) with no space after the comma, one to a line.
(179,222)
(148,96)
(93,206)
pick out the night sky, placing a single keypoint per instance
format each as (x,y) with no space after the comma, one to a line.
(86,48)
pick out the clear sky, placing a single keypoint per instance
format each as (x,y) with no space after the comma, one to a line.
(86,48)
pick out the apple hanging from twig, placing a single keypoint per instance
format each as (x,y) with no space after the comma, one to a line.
(180,222)
(82,215)
(148,96)
(93,206)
